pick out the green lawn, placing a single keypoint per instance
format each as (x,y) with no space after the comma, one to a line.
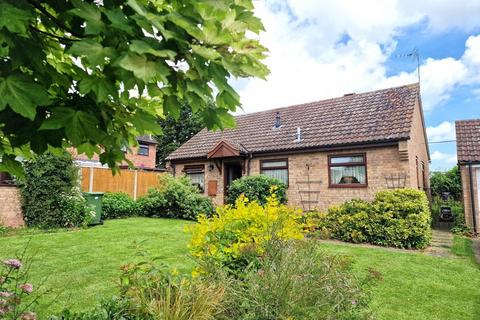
(84,265)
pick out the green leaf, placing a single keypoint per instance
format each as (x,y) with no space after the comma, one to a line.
(228,101)
(141,47)
(14,19)
(119,20)
(100,86)
(172,107)
(186,24)
(145,122)
(253,23)
(92,15)
(79,125)
(207,53)
(22,95)
(8,163)
(92,50)
(89,149)
(144,69)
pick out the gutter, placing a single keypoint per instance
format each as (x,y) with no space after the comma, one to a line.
(472,199)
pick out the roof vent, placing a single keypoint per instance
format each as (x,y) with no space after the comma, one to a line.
(299,135)
(349,94)
(278,122)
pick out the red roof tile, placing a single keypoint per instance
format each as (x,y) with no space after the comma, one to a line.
(468,140)
(377,116)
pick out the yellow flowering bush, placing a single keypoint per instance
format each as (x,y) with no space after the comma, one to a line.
(237,236)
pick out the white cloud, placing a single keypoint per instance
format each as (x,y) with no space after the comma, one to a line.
(323,49)
(443,132)
(447,159)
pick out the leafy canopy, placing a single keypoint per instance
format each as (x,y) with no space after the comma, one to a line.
(95,74)
(448,181)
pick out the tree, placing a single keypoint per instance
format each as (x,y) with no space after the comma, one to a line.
(175,132)
(95,74)
(448,181)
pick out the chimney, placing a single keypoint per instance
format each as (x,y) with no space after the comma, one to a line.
(278,122)
(299,135)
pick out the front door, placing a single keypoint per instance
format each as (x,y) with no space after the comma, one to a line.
(232,171)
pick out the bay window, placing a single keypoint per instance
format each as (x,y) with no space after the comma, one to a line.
(347,170)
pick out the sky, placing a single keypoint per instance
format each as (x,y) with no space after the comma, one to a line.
(321,49)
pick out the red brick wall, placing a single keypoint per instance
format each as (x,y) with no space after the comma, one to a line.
(467,202)
(139,161)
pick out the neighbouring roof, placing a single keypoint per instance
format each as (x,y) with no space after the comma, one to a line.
(371,117)
(146,138)
(468,140)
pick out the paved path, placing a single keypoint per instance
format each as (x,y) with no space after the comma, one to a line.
(442,241)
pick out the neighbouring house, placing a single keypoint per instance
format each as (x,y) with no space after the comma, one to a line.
(143,156)
(327,151)
(468,156)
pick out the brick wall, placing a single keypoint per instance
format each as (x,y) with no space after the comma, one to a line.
(10,208)
(467,203)
(139,161)
(381,162)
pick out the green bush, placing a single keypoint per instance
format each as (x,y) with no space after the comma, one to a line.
(396,218)
(118,205)
(51,196)
(256,188)
(174,198)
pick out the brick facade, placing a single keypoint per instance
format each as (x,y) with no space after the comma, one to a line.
(467,202)
(10,208)
(139,161)
(384,164)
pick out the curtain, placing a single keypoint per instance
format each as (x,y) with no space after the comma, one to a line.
(198,179)
(348,175)
(280,174)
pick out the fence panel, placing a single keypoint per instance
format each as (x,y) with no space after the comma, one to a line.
(134,182)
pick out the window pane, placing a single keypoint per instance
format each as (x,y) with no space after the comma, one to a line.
(143,150)
(348,175)
(280,174)
(198,179)
(354,159)
(273,164)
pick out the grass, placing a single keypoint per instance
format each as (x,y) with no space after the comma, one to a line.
(85,265)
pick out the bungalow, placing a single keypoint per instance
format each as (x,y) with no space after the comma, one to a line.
(468,156)
(327,151)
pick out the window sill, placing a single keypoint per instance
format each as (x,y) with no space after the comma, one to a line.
(340,186)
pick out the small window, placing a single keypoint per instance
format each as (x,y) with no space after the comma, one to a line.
(143,150)
(347,171)
(275,169)
(196,173)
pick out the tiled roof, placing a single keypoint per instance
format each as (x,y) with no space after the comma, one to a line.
(377,116)
(468,140)
(146,138)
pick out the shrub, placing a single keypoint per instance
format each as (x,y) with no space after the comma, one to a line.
(112,309)
(396,218)
(155,293)
(51,197)
(236,236)
(174,198)
(296,280)
(118,205)
(256,188)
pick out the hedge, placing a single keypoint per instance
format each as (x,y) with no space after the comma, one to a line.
(395,218)
(256,188)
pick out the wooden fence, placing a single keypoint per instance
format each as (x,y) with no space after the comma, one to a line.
(134,182)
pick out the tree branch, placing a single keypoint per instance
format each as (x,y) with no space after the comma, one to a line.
(58,22)
(68,40)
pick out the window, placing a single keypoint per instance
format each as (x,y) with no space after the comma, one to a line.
(347,171)
(196,173)
(275,169)
(143,150)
